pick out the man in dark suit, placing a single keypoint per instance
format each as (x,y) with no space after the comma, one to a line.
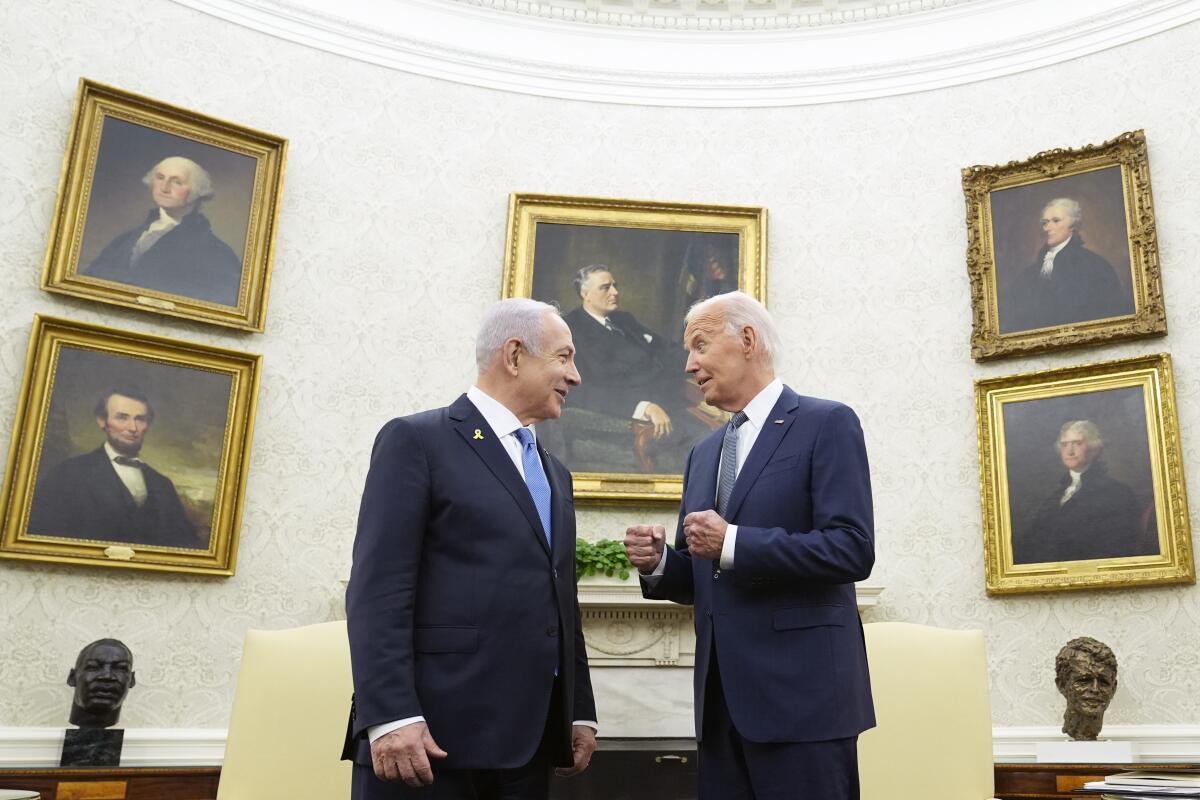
(775,527)
(1066,283)
(1088,514)
(110,494)
(629,370)
(470,674)
(174,250)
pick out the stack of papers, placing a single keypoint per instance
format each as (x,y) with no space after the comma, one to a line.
(1147,784)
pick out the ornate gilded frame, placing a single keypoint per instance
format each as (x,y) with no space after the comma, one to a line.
(48,339)
(527,211)
(1128,152)
(97,103)
(1172,564)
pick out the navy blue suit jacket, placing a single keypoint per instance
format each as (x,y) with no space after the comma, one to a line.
(457,609)
(784,621)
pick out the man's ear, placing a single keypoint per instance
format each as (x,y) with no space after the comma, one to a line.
(71,678)
(132,679)
(101,422)
(749,340)
(511,354)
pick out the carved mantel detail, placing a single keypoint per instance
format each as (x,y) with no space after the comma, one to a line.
(623,629)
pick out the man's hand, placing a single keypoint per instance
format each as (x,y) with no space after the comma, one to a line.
(403,755)
(583,744)
(705,532)
(644,546)
(660,418)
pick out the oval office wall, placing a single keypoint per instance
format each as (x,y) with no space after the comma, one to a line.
(392,224)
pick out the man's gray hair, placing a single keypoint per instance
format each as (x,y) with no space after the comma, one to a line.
(201,183)
(581,277)
(1071,207)
(1086,428)
(515,318)
(739,311)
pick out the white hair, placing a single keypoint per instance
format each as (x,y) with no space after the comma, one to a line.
(515,318)
(1074,211)
(1086,428)
(739,310)
(198,177)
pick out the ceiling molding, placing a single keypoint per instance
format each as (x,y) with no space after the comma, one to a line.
(523,52)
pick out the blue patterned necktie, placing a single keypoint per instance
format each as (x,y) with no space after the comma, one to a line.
(728,462)
(535,478)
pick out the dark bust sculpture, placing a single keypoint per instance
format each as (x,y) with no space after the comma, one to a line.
(101,677)
(1085,672)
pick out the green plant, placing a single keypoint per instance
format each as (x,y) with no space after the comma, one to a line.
(603,557)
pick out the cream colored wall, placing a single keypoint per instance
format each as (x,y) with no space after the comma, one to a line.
(389,248)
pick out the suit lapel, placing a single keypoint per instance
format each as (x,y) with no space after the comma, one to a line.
(559,503)
(765,445)
(117,490)
(474,429)
(706,461)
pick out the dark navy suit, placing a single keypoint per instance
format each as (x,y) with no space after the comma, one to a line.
(783,622)
(457,609)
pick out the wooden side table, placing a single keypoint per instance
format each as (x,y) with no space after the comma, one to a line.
(1044,781)
(117,783)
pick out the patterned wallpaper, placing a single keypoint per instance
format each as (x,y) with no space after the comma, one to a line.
(389,248)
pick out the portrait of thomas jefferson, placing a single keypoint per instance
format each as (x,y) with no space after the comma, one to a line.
(1086,513)
(173,248)
(111,494)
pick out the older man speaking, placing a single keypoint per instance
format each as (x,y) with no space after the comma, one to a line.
(470,674)
(775,527)
(174,250)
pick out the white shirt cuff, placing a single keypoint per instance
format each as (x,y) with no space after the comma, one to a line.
(640,411)
(728,547)
(375,731)
(652,578)
(590,723)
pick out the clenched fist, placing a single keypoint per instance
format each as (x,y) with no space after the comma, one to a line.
(644,546)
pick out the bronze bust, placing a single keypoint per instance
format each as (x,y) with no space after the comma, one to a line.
(102,676)
(1085,672)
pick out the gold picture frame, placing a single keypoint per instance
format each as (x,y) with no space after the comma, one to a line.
(1067,506)
(101,412)
(664,256)
(1034,290)
(200,250)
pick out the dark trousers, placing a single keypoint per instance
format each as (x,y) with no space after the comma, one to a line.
(734,768)
(529,782)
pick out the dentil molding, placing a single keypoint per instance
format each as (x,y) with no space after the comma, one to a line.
(547,48)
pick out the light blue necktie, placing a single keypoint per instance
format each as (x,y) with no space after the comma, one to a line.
(728,462)
(535,478)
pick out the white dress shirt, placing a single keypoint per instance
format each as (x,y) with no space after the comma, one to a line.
(1073,488)
(504,425)
(158,229)
(756,417)
(133,477)
(1048,259)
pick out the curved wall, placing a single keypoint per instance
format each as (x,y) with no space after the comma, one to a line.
(389,248)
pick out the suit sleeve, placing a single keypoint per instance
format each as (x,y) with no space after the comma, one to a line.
(675,583)
(840,548)
(383,578)
(585,701)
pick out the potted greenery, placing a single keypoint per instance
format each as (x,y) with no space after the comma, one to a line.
(605,557)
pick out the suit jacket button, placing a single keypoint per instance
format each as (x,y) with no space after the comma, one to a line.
(716,573)
(555,574)
(551,630)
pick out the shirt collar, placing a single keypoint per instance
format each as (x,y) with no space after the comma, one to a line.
(497,415)
(1053,251)
(602,320)
(113,454)
(758,408)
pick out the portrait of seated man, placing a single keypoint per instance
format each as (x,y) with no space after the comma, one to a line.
(1066,283)
(174,248)
(1088,514)
(631,373)
(110,494)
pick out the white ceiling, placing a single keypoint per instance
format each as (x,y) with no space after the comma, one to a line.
(730,53)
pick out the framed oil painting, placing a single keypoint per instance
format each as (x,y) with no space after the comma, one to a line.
(625,272)
(1081,478)
(164,209)
(128,450)
(1063,250)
